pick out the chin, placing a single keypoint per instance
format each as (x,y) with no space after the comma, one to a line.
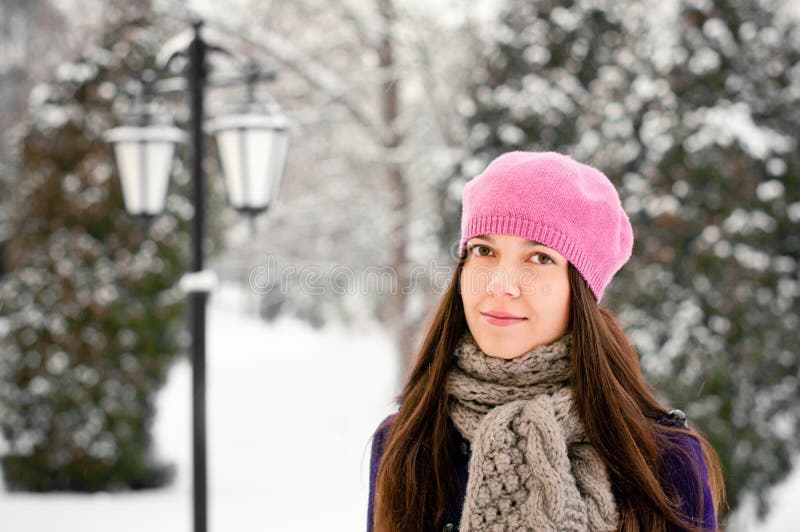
(498,349)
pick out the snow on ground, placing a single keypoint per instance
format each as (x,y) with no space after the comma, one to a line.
(290,414)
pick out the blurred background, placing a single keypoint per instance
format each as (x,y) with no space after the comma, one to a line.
(691,107)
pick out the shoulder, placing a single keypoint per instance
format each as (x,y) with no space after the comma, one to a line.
(685,469)
(686,447)
(685,453)
(378,439)
(379,435)
(378,443)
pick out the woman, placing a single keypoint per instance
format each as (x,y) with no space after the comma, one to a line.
(526,408)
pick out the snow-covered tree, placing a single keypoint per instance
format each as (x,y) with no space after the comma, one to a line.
(715,193)
(23,26)
(92,315)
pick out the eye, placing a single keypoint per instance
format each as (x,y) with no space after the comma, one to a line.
(478,247)
(481,250)
(544,259)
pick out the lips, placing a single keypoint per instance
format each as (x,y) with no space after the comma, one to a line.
(497,318)
(502,315)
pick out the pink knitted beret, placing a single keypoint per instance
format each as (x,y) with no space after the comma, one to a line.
(556,201)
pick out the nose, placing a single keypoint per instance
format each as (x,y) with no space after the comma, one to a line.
(501,282)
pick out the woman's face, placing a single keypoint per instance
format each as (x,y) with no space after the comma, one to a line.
(524,284)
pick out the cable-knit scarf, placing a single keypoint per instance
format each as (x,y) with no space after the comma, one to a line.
(531,467)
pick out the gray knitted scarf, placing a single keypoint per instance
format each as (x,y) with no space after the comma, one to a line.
(531,467)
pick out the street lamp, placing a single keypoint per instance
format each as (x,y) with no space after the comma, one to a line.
(144,157)
(253,145)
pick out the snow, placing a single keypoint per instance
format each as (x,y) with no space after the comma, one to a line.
(289,427)
(783,517)
(727,122)
(291,412)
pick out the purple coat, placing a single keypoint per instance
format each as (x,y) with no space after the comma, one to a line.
(679,472)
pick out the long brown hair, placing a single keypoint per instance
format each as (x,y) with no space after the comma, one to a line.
(416,476)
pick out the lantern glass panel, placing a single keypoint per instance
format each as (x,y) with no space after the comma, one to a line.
(229,148)
(144,169)
(281,150)
(159,163)
(130,172)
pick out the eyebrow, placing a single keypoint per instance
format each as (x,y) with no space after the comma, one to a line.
(528,242)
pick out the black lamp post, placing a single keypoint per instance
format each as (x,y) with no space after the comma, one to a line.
(253,145)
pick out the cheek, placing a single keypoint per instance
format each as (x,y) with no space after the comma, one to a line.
(557,285)
(562,296)
(464,288)
(551,292)
(469,285)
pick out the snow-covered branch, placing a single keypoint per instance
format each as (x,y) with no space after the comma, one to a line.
(316,74)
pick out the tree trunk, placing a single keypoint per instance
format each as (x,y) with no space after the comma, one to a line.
(394,312)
